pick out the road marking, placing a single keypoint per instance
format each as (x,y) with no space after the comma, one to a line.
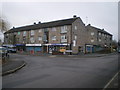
(110,81)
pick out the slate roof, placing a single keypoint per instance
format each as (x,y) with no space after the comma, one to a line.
(101,30)
(44,25)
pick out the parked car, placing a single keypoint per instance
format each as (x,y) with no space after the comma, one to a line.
(4,53)
(10,48)
(118,50)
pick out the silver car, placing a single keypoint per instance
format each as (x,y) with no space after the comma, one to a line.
(3,53)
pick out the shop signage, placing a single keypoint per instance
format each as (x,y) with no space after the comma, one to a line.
(89,45)
(19,44)
(60,44)
(68,51)
(33,45)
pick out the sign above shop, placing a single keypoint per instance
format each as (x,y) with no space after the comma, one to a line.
(60,44)
(57,44)
(33,45)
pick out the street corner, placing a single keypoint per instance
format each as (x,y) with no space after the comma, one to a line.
(12,66)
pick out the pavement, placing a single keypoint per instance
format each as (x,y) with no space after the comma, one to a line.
(12,65)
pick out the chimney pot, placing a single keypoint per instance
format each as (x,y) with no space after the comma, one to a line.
(74,16)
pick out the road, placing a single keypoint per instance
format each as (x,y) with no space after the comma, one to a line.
(62,72)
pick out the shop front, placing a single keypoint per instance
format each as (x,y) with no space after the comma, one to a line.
(56,49)
(20,48)
(59,49)
(89,48)
(34,48)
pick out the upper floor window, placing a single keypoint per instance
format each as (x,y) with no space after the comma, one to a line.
(53,29)
(24,33)
(32,32)
(63,38)
(39,38)
(40,30)
(99,40)
(92,40)
(75,37)
(92,33)
(18,33)
(99,33)
(32,40)
(63,29)
(75,27)
(53,37)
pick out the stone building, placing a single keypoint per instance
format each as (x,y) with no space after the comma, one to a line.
(98,39)
(57,37)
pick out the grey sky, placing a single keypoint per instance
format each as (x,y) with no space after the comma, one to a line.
(100,14)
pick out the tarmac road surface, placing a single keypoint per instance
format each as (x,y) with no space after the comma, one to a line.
(60,72)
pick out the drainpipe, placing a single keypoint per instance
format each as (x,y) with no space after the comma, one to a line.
(71,41)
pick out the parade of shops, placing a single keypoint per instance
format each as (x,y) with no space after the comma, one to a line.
(67,36)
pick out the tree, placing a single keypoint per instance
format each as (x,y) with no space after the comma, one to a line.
(114,44)
(4,25)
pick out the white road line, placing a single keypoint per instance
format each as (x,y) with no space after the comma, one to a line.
(110,81)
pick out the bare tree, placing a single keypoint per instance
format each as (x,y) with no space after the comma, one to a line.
(4,25)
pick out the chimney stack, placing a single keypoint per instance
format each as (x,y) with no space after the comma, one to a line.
(74,16)
(39,22)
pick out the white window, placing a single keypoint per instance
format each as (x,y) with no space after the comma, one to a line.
(32,40)
(53,29)
(103,35)
(75,37)
(64,29)
(53,37)
(32,32)
(74,43)
(99,33)
(24,33)
(99,40)
(92,40)
(40,30)
(92,33)
(39,38)
(63,38)
(75,27)
(18,33)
